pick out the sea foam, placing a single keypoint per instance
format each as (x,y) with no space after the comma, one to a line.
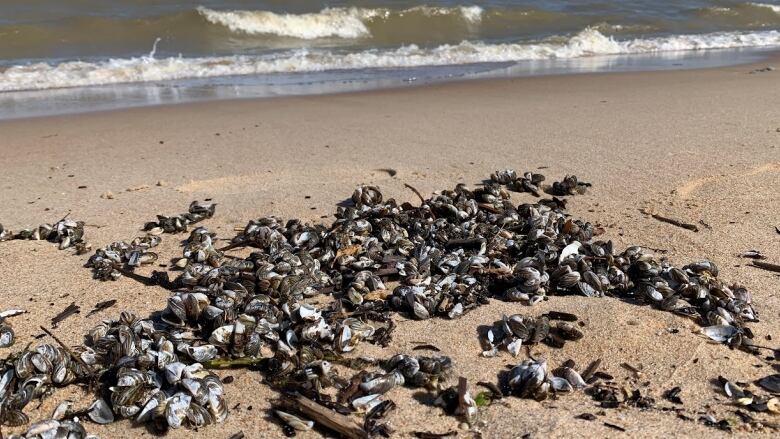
(589,42)
(349,23)
(775,8)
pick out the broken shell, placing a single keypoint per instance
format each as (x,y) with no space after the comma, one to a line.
(100,413)
(6,336)
(295,422)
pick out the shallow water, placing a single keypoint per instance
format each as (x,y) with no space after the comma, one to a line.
(55,44)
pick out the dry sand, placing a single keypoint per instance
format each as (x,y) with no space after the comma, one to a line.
(695,145)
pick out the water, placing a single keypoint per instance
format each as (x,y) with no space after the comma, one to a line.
(61,51)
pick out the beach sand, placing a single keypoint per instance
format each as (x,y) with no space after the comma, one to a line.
(697,145)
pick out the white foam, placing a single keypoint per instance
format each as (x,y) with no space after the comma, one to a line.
(587,43)
(346,23)
(337,22)
(472,14)
(775,8)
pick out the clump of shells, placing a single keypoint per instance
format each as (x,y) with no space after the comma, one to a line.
(196,213)
(110,262)
(65,233)
(53,428)
(569,186)
(515,331)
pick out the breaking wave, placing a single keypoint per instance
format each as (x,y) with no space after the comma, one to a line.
(330,22)
(775,8)
(589,42)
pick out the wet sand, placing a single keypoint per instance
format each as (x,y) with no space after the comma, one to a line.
(699,145)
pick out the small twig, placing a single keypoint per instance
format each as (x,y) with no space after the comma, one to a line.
(67,312)
(422,199)
(222,363)
(100,306)
(672,221)
(148,281)
(613,426)
(327,417)
(476,242)
(231,246)
(591,369)
(659,250)
(390,171)
(75,357)
(766,266)
(763,347)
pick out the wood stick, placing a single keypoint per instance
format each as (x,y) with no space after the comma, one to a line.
(148,281)
(591,369)
(466,242)
(422,199)
(226,363)
(231,246)
(675,222)
(327,417)
(672,221)
(67,312)
(766,266)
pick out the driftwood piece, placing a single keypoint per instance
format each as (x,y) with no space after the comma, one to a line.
(158,278)
(67,312)
(326,417)
(766,266)
(390,171)
(233,245)
(413,189)
(466,243)
(100,306)
(672,221)
(429,435)
(591,369)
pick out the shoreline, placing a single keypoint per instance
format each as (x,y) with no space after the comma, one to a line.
(698,145)
(17,105)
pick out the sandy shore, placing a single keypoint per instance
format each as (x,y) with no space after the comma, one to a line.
(699,145)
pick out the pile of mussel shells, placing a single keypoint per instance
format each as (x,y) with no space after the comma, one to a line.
(531,379)
(512,332)
(366,389)
(528,182)
(149,382)
(32,374)
(569,186)
(753,402)
(445,257)
(110,262)
(53,428)
(65,232)
(174,224)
